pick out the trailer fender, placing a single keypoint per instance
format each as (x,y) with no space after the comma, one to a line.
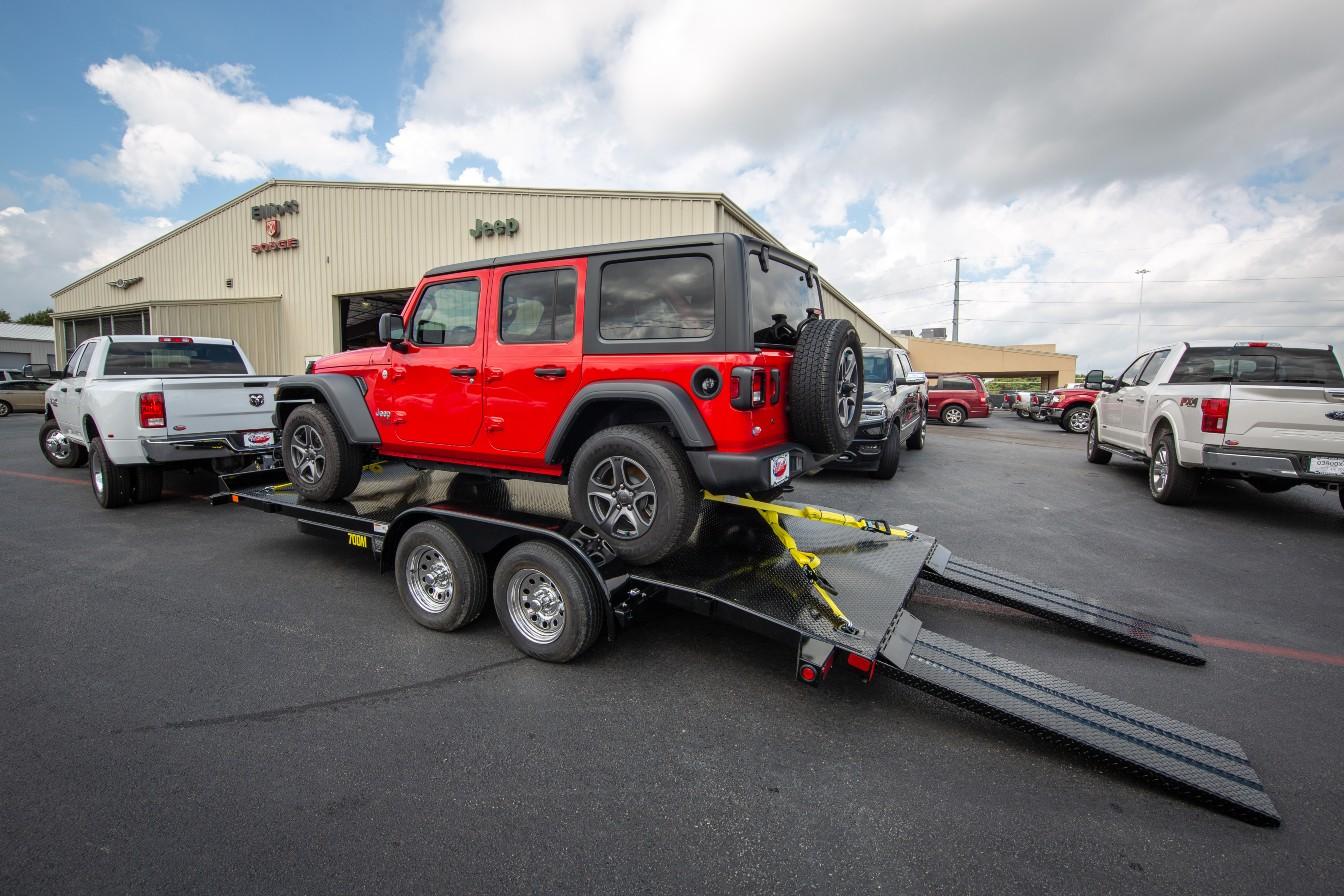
(337,391)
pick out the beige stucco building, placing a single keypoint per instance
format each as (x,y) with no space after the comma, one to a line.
(940,356)
(299,269)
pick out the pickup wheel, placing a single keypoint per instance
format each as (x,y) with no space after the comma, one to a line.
(546,602)
(916,441)
(111,483)
(890,460)
(1025,415)
(1169,482)
(57,449)
(146,484)
(443,585)
(826,385)
(319,461)
(953,415)
(635,486)
(1095,453)
(1077,419)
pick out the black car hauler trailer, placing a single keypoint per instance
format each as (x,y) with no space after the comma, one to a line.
(834,586)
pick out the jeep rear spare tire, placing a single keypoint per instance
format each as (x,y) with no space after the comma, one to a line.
(826,385)
(635,486)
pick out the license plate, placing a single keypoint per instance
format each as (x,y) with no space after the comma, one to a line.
(779,468)
(1330,466)
(263,438)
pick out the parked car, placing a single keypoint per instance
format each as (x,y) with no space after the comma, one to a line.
(894,402)
(1267,412)
(1071,407)
(1021,404)
(641,373)
(22,395)
(10,376)
(955,398)
(133,406)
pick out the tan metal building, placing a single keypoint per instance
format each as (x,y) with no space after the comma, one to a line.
(940,356)
(299,269)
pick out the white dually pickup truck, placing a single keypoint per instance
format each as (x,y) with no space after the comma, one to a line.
(1267,412)
(133,406)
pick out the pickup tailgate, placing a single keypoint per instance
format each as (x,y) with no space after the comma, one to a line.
(1287,418)
(223,403)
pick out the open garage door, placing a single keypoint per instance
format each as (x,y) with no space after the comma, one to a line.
(359,315)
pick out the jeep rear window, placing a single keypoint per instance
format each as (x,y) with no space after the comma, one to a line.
(779,295)
(171,358)
(657,298)
(1250,365)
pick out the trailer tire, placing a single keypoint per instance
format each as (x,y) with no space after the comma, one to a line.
(1095,453)
(318,459)
(111,482)
(546,602)
(442,584)
(57,449)
(146,484)
(826,385)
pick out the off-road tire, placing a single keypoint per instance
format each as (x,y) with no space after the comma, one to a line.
(528,581)
(6,409)
(657,459)
(1076,419)
(146,484)
(1179,484)
(1095,453)
(953,415)
(916,441)
(821,393)
(890,459)
(337,465)
(75,454)
(432,559)
(112,483)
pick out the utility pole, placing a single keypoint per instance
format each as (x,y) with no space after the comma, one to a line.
(956,301)
(1138,336)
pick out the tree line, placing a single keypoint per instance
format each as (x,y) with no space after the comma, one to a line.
(36,318)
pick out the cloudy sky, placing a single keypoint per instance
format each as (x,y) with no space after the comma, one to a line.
(1058,148)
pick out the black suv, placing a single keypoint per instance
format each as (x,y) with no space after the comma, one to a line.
(895,406)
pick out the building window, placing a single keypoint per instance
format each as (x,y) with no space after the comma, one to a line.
(123,323)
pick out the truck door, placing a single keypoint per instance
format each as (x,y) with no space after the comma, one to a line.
(534,354)
(1111,407)
(70,389)
(434,396)
(1135,416)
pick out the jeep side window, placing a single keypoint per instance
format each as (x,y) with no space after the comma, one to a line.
(446,314)
(1154,364)
(538,306)
(657,298)
(1131,374)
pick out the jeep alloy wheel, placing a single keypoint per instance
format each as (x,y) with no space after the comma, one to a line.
(622,497)
(319,461)
(305,454)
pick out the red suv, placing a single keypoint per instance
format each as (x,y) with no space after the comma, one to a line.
(955,398)
(639,373)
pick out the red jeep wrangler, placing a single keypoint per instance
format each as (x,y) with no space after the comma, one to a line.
(640,373)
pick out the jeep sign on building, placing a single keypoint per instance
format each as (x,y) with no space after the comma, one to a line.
(295,270)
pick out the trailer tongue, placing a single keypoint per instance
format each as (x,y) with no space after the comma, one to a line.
(749,568)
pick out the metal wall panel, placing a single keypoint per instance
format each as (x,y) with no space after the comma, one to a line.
(253,325)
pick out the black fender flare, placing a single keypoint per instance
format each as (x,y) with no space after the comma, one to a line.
(672,400)
(337,391)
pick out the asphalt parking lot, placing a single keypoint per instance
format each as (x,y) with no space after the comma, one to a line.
(202,699)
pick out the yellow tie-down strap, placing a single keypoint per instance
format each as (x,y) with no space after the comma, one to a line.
(375,467)
(809,562)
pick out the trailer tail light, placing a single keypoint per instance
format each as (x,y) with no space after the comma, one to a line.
(747,389)
(1214,417)
(185,340)
(152,414)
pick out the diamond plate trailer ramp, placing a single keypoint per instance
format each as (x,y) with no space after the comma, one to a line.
(736,570)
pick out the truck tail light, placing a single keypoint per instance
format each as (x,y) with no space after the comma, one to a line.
(747,389)
(1214,412)
(176,339)
(152,415)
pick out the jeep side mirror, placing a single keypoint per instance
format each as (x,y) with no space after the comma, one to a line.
(36,371)
(391,330)
(1094,379)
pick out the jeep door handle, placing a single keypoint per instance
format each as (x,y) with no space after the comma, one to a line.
(553,373)
(463,371)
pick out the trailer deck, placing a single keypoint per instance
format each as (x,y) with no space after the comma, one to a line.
(735,569)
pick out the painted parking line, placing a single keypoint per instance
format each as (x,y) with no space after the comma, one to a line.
(167,493)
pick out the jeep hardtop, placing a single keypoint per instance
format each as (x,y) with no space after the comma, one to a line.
(640,373)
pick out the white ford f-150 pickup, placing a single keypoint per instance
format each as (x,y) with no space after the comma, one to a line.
(134,405)
(1267,412)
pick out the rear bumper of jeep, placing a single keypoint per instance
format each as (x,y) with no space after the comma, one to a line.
(748,471)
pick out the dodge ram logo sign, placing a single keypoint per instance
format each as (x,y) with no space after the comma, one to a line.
(257,399)
(273,227)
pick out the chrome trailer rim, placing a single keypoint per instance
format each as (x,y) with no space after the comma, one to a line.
(536,606)
(429,578)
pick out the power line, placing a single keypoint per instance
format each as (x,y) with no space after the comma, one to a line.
(901,292)
(1093,323)
(1131,282)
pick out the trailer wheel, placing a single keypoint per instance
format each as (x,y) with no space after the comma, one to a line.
(111,482)
(546,602)
(442,584)
(57,449)
(319,461)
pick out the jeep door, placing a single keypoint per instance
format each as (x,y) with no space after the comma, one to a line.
(434,387)
(534,353)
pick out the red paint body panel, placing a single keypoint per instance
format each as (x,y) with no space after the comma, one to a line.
(975,401)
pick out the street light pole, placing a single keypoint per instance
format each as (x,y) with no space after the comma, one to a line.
(1138,336)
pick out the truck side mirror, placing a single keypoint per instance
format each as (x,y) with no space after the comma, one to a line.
(1094,379)
(915,378)
(391,330)
(37,371)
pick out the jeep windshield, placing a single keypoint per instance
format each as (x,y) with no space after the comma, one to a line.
(779,299)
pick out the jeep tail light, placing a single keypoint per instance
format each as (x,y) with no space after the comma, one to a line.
(1214,412)
(152,414)
(747,389)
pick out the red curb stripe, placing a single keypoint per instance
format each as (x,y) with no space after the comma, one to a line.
(1306,656)
(43,478)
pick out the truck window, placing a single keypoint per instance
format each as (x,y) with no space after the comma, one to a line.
(1254,364)
(73,364)
(171,358)
(538,306)
(657,298)
(85,357)
(446,314)
(1153,366)
(1131,375)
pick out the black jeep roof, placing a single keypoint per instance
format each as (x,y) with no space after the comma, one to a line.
(667,242)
